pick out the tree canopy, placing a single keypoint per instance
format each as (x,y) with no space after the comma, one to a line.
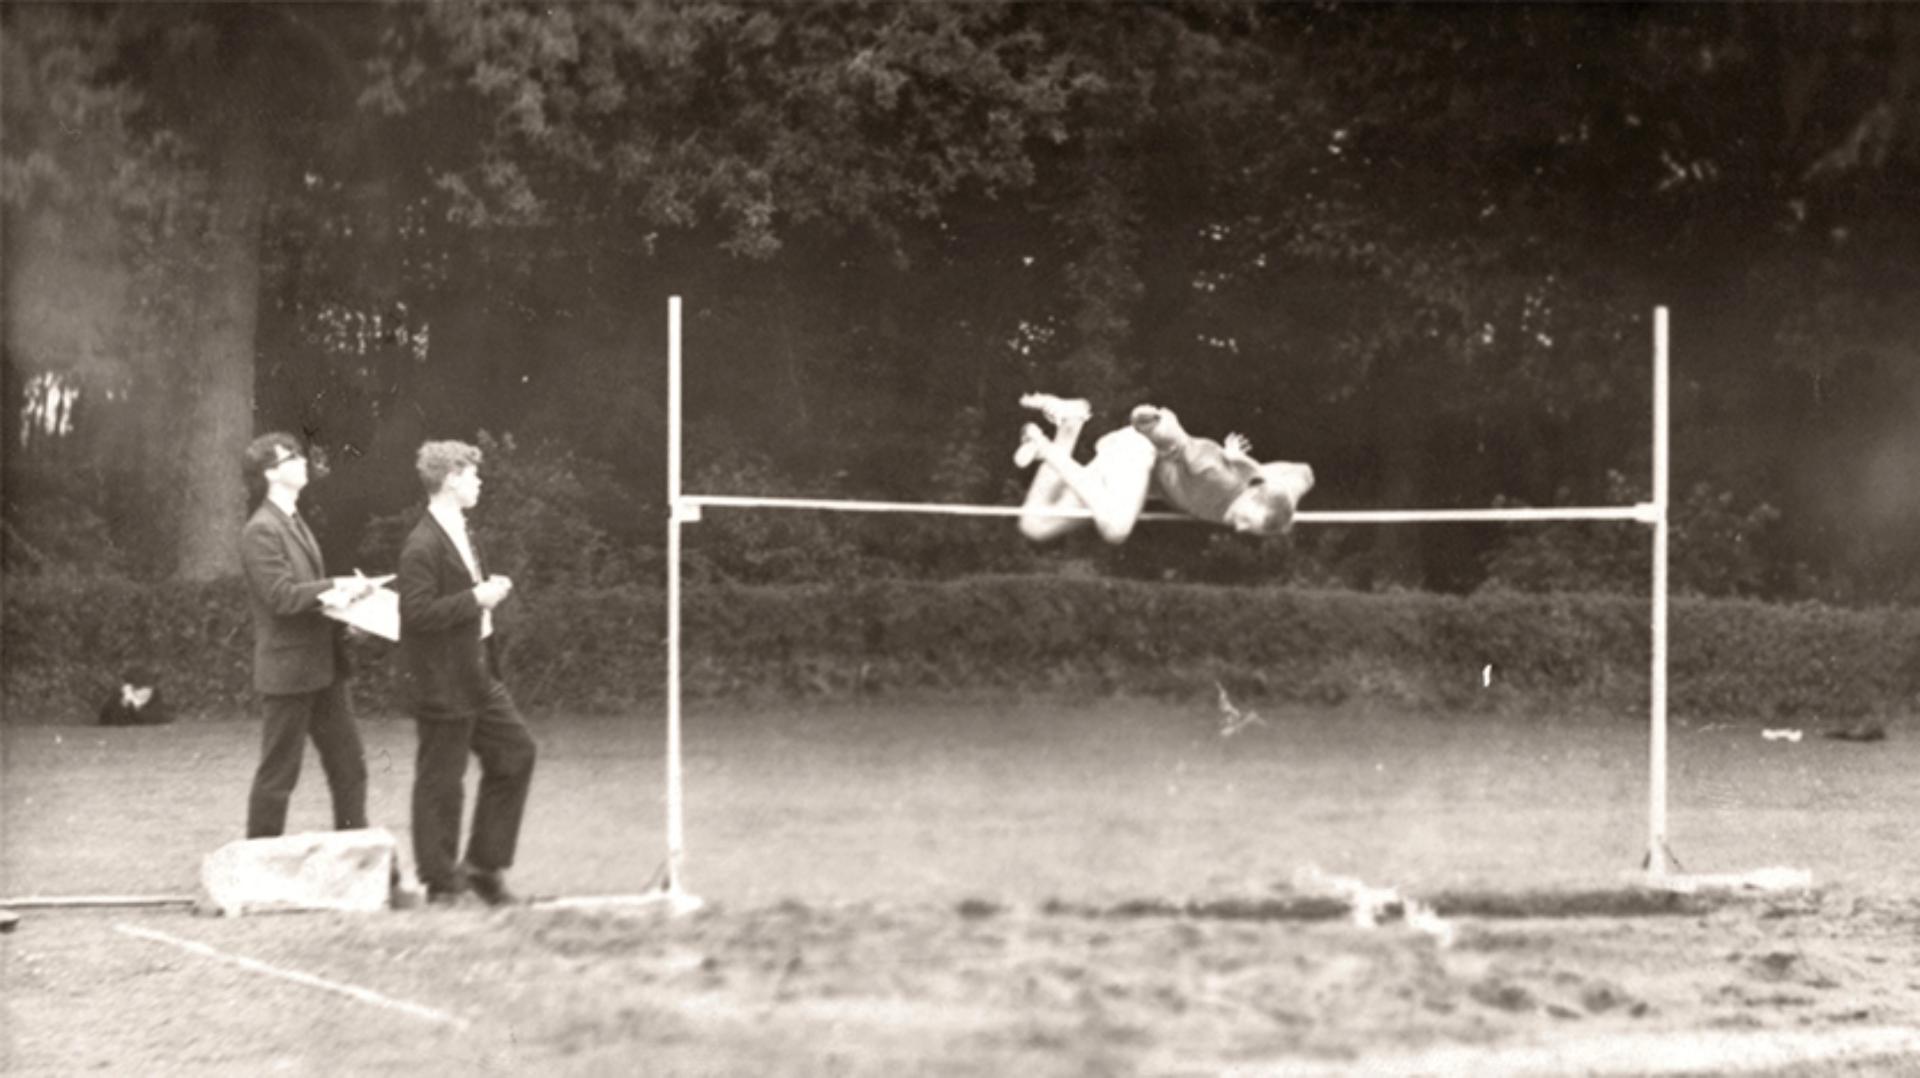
(1414,245)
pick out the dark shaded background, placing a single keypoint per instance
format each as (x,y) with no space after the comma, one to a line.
(1415,246)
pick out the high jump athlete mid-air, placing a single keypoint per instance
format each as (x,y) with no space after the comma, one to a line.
(1151,457)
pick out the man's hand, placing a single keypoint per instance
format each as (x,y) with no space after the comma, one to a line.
(492,591)
(347,590)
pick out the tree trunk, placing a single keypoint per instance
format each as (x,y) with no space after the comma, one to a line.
(218,413)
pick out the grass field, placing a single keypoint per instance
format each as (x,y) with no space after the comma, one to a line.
(984,887)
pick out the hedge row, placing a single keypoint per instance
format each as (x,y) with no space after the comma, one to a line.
(67,638)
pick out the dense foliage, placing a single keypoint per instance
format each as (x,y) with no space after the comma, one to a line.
(1415,245)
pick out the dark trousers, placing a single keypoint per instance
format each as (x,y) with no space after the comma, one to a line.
(498,736)
(327,718)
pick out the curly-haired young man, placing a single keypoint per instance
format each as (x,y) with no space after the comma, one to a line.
(452,674)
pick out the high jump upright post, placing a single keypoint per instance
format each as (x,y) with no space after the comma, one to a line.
(1658,853)
(676,833)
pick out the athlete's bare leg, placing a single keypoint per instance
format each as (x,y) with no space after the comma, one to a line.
(1113,486)
(1068,416)
(1048,491)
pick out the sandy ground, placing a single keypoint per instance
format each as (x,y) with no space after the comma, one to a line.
(1007,888)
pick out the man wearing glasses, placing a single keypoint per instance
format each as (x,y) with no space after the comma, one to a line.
(299,655)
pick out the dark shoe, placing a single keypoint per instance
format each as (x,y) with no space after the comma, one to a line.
(491,886)
(449,894)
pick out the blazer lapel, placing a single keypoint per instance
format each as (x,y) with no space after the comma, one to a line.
(450,550)
(313,546)
(302,539)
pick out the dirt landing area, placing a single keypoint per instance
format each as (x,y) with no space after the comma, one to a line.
(1814,983)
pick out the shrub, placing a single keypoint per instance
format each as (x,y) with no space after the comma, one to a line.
(66,638)
(1715,547)
(61,531)
(579,648)
(541,520)
(758,547)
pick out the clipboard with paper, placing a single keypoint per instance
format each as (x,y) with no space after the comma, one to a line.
(377,612)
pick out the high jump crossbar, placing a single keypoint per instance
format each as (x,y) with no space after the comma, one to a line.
(686,508)
(1644,512)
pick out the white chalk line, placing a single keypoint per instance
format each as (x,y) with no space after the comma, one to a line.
(1675,1053)
(354,992)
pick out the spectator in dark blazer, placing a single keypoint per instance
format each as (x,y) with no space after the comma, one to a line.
(452,675)
(299,655)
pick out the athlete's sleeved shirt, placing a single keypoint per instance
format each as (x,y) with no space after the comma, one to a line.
(1200,478)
